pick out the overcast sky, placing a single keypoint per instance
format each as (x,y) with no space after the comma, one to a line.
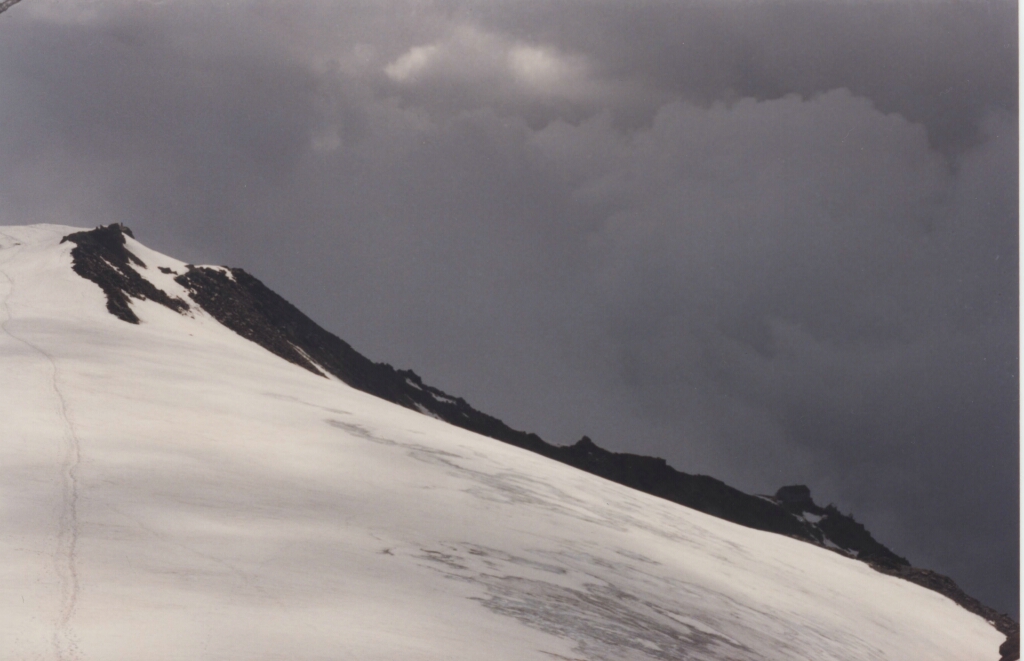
(771,241)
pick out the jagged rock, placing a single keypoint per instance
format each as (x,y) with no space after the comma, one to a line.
(100,255)
(795,497)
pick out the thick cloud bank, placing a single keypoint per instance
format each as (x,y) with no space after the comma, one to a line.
(771,242)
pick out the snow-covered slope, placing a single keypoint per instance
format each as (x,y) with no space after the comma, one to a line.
(245,305)
(173,491)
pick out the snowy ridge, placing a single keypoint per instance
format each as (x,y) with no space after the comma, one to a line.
(243,304)
(230,506)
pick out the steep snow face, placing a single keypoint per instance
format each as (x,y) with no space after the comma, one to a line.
(172,491)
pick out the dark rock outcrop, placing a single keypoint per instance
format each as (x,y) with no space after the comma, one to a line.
(100,255)
(833,529)
(654,476)
(1010,649)
(795,498)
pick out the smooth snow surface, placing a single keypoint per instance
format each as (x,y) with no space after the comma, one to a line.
(171,491)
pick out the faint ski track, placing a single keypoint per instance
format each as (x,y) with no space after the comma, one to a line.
(65,562)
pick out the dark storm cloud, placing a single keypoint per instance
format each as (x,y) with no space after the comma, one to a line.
(940,64)
(774,242)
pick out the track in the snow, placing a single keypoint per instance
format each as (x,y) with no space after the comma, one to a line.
(65,560)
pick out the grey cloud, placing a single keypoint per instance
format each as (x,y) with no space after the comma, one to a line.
(939,64)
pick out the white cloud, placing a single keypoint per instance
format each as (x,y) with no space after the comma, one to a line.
(544,69)
(494,64)
(413,62)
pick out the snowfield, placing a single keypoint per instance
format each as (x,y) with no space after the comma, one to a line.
(171,491)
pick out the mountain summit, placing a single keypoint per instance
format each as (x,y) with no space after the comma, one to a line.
(193,469)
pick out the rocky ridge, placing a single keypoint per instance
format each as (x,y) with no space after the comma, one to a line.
(245,305)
